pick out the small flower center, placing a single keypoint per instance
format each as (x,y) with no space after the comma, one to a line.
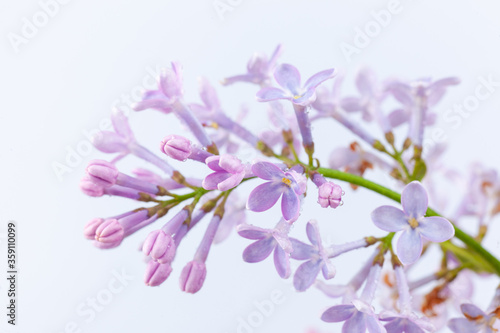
(287,181)
(297,96)
(413,222)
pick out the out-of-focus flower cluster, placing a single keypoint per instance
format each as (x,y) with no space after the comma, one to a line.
(402,110)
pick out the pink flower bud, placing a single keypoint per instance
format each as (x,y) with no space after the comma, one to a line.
(110,232)
(102,173)
(192,276)
(330,195)
(90,188)
(176,147)
(91,227)
(156,273)
(159,246)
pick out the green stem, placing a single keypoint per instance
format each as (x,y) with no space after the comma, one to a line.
(491,260)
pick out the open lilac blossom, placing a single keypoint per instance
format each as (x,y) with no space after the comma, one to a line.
(418,97)
(168,98)
(412,223)
(259,69)
(228,172)
(288,77)
(267,241)
(317,257)
(358,314)
(280,183)
(476,320)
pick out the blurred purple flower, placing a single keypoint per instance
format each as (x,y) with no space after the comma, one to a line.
(475,321)
(259,69)
(288,77)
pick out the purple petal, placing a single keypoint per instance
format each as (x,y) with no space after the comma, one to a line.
(409,246)
(274,57)
(401,92)
(374,326)
(414,200)
(162,105)
(471,310)
(338,313)
(312,231)
(355,324)
(462,325)
(230,163)
(365,81)
(290,204)
(318,78)
(267,171)
(398,117)
(443,83)
(332,290)
(288,77)
(212,180)
(301,251)
(306,274)
(259,250)
(251,232)
(208,94)
(351,104)
(120,123)
(231,182)
(389,218)
(436,229)
(264,196)
(213,163)
(282,263)
(328,270)
(271,94)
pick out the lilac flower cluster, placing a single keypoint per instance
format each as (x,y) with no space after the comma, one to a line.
(279,174)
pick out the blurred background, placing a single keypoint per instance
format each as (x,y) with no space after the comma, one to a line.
(65,64)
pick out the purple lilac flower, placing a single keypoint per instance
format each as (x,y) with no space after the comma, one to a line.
(413,223)
(122,141)
(369,103)
(169,98)
(211,114)
(317,257)
(288,77)
(358,314)
(280,183)
(259,69)
(267,241)
(229,172)
(417,97)
(475,321)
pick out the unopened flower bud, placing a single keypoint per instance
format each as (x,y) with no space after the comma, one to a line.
(102,173)
(91,227)
(192,276)
(156,273)
(90,188)
(159,246)
(330,195)
(110,232)
(176,147)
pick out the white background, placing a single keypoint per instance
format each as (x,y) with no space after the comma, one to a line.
(64,79)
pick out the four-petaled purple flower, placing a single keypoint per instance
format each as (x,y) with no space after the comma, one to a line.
(413,223)
(288,77)
(266,195)
(316,256)
(259,69)
(267,241)
(229,172)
